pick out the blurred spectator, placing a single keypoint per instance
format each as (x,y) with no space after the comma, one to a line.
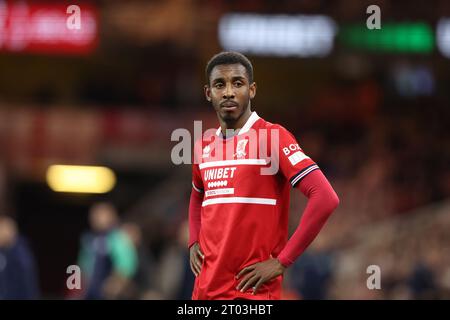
(176,279)
(142,285)
(18,274)
(422,282)
(311,275)
(107,258)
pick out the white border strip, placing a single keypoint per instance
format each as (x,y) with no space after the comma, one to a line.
(268,201)
(223,163)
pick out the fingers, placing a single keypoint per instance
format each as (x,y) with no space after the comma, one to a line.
(195,262)
(257,285)
(245,270)
(249,282)
(198,258)
(194,265)
(244,281)
(200,253)
(194,270)
(197,265)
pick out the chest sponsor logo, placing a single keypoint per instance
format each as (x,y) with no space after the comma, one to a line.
(219,173)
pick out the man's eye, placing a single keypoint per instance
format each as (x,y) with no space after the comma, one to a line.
(238,84)
(218,85)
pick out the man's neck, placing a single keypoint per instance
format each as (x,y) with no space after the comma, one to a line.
(235,125)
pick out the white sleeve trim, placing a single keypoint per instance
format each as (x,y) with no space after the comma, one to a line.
(196,189)
(304,173)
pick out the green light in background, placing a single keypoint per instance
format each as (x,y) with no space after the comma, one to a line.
(405,37)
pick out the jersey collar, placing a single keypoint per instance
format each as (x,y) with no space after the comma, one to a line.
(250,122)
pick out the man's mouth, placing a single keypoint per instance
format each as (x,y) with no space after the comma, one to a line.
(229,105)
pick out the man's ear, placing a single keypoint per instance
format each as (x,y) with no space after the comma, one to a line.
(207,92)
(252,90)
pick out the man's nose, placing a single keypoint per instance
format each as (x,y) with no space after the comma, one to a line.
(228,93)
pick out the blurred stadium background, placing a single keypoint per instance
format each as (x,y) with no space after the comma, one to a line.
(370,106)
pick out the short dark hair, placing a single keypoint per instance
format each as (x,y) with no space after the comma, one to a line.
(229,57)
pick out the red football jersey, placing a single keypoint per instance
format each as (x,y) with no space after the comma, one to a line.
(245,181)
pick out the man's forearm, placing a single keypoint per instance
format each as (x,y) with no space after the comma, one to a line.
(322,201)
(195,206)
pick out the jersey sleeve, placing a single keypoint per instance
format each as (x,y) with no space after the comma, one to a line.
(197,182)
(195,204)
(294,163)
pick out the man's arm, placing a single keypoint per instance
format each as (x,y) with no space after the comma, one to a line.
(195,206)
(322,201)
